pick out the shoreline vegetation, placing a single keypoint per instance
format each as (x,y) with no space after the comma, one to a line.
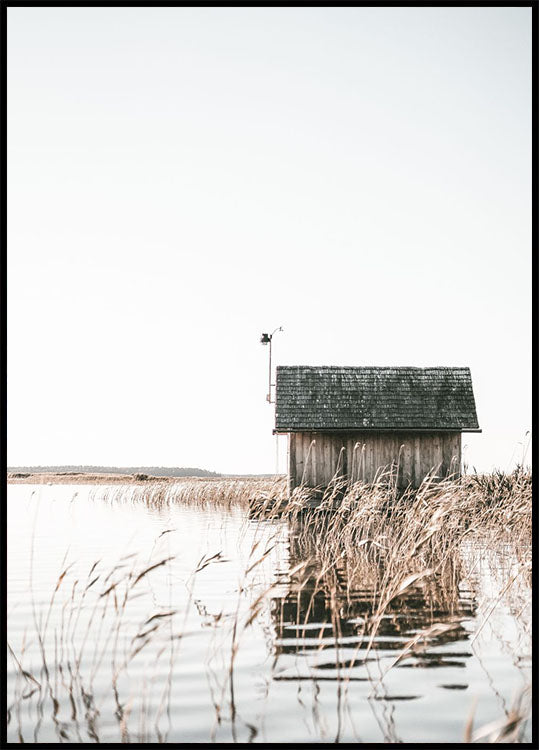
(112,475)
(439,510)
(398,544)
(426,524)
(110,471)
(72,477)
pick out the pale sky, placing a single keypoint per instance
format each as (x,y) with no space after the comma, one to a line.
(181,180)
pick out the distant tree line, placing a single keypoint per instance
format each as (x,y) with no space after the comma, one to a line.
(155,471)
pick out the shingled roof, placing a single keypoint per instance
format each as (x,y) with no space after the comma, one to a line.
(374,398)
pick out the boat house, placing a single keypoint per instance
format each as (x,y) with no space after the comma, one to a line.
(357,422)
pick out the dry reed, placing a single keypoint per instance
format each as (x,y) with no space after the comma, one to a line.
(395,544)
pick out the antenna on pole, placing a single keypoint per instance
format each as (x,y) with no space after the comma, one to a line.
(266,339)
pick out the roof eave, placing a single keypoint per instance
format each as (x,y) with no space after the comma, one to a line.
(286,430)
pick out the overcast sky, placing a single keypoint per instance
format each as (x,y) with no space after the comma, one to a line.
(182,179)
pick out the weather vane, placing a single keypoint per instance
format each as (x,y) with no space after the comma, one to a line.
(266,339)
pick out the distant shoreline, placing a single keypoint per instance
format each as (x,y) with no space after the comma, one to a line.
(17,477)
(87,478)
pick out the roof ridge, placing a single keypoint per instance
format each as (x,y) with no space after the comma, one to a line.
(371,367)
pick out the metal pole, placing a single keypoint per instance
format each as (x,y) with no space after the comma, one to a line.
(269,382)
(267,339)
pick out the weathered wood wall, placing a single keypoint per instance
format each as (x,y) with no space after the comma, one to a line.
(314,458)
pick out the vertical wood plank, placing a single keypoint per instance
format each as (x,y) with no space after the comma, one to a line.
(371,472)
(398,454)
(454,454)
(433,454)
(352,456)
(291,461)
(300,457)
(426,454)
(423,456)
(440,446)
(370,459)
(305,451)
(320,467)
(430,453)
(311,449)
(343,459)
(407,460)
(446,446)
(327,458)
(332,466)
(458,453)
(365,458)
(314,456)
(419,461)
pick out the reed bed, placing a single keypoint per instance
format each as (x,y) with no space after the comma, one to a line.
(399,546)
(398,542)
(399,539)
(425,526)
(377,520)
(94,630)
(203,493)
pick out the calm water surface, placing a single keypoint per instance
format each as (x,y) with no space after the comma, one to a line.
(228,637)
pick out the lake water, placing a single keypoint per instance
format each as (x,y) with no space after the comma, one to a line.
(230,638)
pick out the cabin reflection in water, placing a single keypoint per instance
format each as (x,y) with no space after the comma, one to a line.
(326,620)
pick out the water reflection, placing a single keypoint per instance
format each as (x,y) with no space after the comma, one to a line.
(324,623)
(204,674)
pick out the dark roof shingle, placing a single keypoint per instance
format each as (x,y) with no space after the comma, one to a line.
(374,398)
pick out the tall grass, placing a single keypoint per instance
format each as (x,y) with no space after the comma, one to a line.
(260,494)
(374,520)
(396,545)
(402,538)
(400,542)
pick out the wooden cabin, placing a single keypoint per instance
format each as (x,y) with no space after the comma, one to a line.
(357,422)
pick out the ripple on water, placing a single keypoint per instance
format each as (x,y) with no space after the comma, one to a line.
(304,669)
